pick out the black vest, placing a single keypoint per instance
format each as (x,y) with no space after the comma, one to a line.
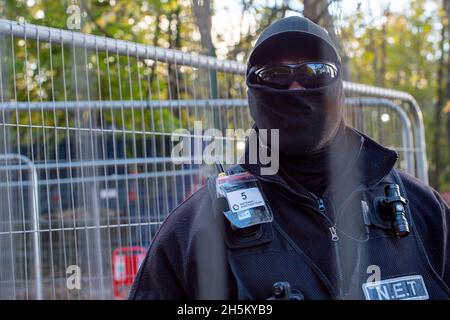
(266,255)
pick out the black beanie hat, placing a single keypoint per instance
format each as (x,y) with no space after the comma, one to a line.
(293,33)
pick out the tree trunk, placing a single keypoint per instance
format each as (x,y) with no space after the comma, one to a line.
(373,48)
(383,55)
(203,16)
(155,44)
(174,43)
(317,11)
(436,170)
(447,13)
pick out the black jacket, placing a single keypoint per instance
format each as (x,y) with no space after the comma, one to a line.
(188,257)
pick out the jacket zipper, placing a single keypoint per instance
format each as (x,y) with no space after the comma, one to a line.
(321,208)
(334,238)
(321,205)
(334,235)
(332,229)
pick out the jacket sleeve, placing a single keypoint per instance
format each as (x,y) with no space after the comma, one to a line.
(187,258)
(445,213)
(432,220)
(158,277)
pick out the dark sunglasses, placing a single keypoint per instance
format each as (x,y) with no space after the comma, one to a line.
(309,75)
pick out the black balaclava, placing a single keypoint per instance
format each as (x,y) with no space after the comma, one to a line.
(309,120)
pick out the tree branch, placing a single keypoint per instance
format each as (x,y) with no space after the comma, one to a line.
(91,17)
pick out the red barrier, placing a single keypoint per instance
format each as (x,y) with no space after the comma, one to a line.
(125,264)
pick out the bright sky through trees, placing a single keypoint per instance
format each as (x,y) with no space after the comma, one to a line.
(227,17)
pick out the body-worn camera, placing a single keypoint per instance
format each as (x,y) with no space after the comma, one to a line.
(392,208)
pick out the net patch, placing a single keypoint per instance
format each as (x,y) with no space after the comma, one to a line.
(402,288)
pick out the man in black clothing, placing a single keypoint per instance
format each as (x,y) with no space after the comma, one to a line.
(337,232)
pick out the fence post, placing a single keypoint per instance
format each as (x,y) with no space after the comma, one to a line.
(35,214)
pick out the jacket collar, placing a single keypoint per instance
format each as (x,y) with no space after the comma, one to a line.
(374,160)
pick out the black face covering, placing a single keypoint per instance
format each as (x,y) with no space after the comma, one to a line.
(312,141)
(307,119)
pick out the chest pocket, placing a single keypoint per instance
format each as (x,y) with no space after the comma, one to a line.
(258,268)
(399,266)
(269,256)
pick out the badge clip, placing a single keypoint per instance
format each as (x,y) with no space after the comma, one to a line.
(246,204)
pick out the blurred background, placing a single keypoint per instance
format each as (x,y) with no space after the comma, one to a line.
(401,44)
(91,92)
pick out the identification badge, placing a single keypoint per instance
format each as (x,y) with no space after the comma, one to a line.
(402,288)
(244,197)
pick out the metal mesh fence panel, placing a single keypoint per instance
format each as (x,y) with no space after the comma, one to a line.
(85,148)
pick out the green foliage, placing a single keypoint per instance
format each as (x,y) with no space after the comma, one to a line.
(400,51)
(410,60)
